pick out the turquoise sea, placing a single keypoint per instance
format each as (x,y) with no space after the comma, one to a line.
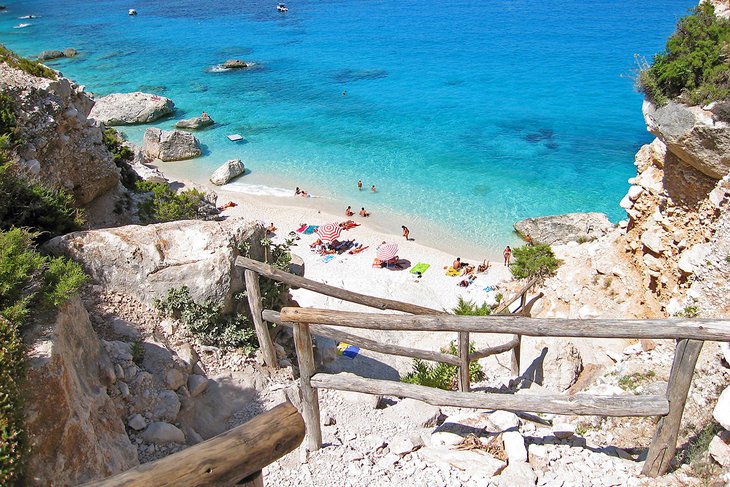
(467,115)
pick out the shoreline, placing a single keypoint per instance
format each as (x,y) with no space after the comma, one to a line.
(323,207)
(355,272)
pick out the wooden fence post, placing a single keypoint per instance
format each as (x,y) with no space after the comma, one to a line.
(515,357)
(262,330)
(664,444)
(464,361)
(310,396)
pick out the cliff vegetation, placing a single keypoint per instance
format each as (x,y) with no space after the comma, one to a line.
(695,65)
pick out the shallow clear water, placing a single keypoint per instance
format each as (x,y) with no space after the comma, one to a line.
(466,115)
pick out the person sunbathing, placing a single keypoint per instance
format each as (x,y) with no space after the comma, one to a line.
(483,266)
(467,269)
(315,243)
(271,228)
(468,281)
(457,264)
(363,212)
(349,212)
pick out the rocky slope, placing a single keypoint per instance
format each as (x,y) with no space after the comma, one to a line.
(59,143)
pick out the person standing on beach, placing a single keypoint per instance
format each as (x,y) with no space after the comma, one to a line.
(406,232)
(507,255)
(359,184)
(372,188)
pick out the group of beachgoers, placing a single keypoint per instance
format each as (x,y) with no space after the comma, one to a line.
(349,212)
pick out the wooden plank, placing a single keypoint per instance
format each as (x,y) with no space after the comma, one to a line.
(580,404)
(253,292)
(664,444)
(519,294)
(380,303)
(486,352)
(464,361)
(515,357)
(310,396)
(255,480)
(366,343)
(224,460)
(700,329)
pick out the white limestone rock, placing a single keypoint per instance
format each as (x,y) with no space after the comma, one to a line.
(170,145)
(197,384)
(720,448)
(131,108)
(227,172)
(161,433)
(514,445)
(414,412)
(137,422)
(721,413)
(561,229)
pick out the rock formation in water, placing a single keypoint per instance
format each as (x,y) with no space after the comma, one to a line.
(131,108)
(170,145)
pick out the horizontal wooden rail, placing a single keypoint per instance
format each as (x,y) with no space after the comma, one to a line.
(373,302)
(366,343)
(696,329)
(579,404)
(505,347)
(226,459)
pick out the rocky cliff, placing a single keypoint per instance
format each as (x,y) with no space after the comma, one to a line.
(59,144)
(74,431)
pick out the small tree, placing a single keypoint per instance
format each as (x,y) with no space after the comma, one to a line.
(534,260)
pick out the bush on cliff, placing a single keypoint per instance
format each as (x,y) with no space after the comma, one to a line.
(534,261)
(440,375)
(695,66)
(28,204)
(33,68)
(123,157)
(27,278)
(164,204)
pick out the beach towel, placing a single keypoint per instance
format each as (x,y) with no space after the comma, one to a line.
(347,350)
(310,229)
(451,272)
(302,228)
(489,289)
(419,268)
(327,258)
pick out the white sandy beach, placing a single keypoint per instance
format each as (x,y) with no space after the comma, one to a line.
(355,272)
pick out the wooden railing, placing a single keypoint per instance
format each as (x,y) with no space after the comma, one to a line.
(689,334)
(235,457)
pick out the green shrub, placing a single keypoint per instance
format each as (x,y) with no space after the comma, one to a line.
(8,121)
(29,204)
(137,350)
(33,68)
(470,308)
(123,156)
(440,375)
(206,321)
(632,381)
(26,278)
(534,260)
(695,64)
(690,311)
(164,204)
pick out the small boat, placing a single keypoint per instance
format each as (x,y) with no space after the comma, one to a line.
(132,11)
(21,26)
(282,7)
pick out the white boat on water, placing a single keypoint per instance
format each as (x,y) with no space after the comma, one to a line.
(282,7)
(132,11)
(21,26)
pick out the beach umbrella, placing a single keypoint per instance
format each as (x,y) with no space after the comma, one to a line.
(387,251)
(329,232)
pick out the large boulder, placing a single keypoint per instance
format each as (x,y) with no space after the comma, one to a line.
(131,108)
(147,261)
(50,54)
(235,64)
(58,143)
(195,123)
(227,171)
(561,229)
(699,136)
(170,145)
(74,431)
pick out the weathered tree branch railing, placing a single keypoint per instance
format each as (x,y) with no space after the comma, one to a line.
(235,457)
(690,335)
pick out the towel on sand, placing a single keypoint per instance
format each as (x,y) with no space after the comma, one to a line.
(419,268)
(327,258)
(310,229)
(302,228)
(451,272)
